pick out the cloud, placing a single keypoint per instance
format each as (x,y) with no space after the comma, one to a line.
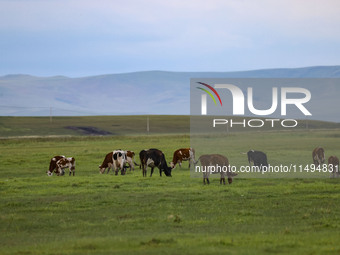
(166,34)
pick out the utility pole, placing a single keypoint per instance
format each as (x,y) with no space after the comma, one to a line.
(50,114)
(147,125)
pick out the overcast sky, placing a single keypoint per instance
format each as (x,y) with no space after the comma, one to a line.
(82,37)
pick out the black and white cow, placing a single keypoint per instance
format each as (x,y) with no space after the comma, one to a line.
(108,161)
(118,161)
(259,158)
(154,158)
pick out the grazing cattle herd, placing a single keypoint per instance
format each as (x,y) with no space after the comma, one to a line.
(120,160)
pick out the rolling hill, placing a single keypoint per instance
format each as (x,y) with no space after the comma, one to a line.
(149,92)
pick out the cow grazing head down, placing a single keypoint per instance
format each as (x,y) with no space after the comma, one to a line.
(167,170)
(107,163)
(154,158)
(59,163)
(53,164)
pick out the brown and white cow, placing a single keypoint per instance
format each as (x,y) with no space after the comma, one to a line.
(69,163)
(53,165)
(215,163)
(318,156)
(59,163)
(183,154)
(130,159)
(333,165)
(107,163)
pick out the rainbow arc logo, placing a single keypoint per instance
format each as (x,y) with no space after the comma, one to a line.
(209,93)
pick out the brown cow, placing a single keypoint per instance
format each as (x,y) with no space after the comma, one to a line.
(107,163)
(210,164)
(69,163)
(318,156)
(333,165)
(53,165)
(183,154)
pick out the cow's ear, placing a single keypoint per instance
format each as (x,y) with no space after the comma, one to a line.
(115,156)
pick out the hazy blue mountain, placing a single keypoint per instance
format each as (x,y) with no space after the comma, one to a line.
(149,92)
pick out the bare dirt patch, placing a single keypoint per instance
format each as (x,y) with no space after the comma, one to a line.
(88,130)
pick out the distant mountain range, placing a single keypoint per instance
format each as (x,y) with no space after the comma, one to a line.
(149,92)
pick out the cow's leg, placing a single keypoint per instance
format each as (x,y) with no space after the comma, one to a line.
(144,170)
(160,172)
(180,164)
(130,163)
(61,171)
(207,174)
(151,171)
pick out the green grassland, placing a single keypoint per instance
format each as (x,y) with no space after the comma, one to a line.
(123,125)
(94,213)
(93,125)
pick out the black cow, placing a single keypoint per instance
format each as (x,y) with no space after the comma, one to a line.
(154,158)
(259,158)
(142,156)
